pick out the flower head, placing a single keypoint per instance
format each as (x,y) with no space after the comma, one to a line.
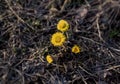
(62,25)
(75,49)
(49,59)
(58,39)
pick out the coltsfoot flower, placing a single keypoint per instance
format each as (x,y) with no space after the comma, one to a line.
(62,25)
(76,49)
(58,39)
(49,59)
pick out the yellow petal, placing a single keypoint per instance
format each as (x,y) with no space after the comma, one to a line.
(75,49)
(49,59)
(62,25)
(58,39)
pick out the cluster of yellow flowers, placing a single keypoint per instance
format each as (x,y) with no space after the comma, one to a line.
(58,39)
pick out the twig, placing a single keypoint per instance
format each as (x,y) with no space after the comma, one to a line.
(50,3)
(64,4)
(90,40)
(86,71)
(115,49)
(98,27)
(23,80)
(83,79)
(87,3)
(110,68)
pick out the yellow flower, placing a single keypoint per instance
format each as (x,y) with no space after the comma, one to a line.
(75,49)
(58,39)
(49,59)
(62,25)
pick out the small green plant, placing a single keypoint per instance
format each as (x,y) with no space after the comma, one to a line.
(114,33)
